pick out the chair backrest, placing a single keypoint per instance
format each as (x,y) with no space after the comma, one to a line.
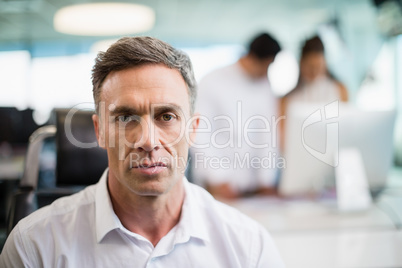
(16,125)
(79,162)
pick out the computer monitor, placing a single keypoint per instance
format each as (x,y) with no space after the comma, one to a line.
(16,126)
(314,135)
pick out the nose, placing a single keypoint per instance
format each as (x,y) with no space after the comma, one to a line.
(148,137)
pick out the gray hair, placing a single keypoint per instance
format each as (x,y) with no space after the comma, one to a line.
(135,51)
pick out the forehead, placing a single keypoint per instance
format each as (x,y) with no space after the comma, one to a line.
(145,85)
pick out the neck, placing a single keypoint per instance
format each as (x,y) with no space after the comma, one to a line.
(149,216)
(250,66)
(254,67)
(246,65)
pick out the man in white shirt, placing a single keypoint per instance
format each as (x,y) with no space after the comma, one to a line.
(239,125)
(143,212)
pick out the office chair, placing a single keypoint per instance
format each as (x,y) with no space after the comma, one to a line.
(79,162)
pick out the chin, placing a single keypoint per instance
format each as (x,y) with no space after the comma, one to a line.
(151,189)
(145,183)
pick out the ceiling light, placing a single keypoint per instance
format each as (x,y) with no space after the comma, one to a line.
(102,19)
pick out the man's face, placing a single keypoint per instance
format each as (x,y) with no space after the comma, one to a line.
(143,128)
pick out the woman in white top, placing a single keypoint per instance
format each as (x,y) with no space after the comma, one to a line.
(316,84)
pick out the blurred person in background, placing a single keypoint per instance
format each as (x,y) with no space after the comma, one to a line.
(232,101)
(316,85)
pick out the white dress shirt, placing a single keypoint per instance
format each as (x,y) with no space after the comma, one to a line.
(82,230)
(243,142)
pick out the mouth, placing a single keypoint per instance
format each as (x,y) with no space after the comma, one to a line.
(150,165)
(150,168)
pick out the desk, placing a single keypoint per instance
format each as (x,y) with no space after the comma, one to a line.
(380,248)
(312,234)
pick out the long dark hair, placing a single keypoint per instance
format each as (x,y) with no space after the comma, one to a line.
(312,45)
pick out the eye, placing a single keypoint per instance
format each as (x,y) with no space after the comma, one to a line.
(167,117)
(126,118)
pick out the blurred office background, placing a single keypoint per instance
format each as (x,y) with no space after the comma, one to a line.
(42,68)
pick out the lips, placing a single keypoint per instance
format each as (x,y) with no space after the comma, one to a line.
(150,165)
(151,168)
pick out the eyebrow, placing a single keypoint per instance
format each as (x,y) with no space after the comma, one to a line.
(169,107)
(158,109)
(123,110)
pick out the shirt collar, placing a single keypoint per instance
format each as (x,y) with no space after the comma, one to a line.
(106,219)
(192,222)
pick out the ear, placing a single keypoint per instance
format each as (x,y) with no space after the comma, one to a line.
(193,128)
(99,130)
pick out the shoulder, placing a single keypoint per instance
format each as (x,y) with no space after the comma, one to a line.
(228,217)
(213,89)
(35,235)
(343,92)
(219,74)
(237,234)
(58,209)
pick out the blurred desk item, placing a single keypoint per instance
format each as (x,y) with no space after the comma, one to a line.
(313,234)
(314,146)
(11,168)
